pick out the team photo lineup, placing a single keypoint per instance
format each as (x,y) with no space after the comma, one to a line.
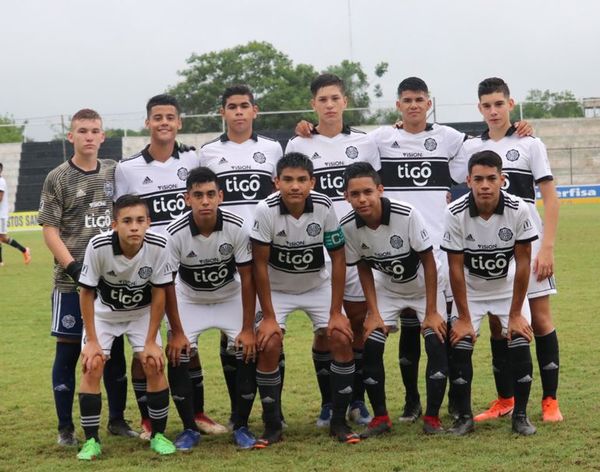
(356,230)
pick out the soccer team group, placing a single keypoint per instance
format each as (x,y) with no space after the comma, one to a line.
(352,228)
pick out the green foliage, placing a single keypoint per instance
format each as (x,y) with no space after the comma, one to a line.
(10,134)
(547,104)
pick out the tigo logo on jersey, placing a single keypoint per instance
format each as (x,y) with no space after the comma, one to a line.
(98,221)
(167,207)
(419,174)
(247,187)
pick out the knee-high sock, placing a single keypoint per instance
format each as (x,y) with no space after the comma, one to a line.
(322,363)
(358,395)
(409,350)
(342,379)
(269,386)
(374,372)
(436,372)
(63,381)
(90,405)
(158,408)
(115,379)
(229,365)
(501,367)
(197,378)
(461,374)
(522,371)
(182,391)
(246,390)
(546,348)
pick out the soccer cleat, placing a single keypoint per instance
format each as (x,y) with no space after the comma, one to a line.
(161,445)
(550,411)
(187,440)
(411,412)
(378,425)
(463,425)
(208,426)
(325,416)
(498,408)
(66,437)
(120,427)
(521,425)
(27,256)
(270,436)
(146,433)
(432,425)
(91,450)
(243,438)
(343,433)
(359,413)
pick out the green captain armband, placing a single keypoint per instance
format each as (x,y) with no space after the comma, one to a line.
(334,239)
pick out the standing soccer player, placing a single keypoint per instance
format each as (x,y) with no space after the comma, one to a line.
(4,239)
(488,235)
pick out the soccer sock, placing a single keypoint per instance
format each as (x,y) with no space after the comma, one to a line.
(374,372)
(115,380)
(409,354)
(195,374)
(358,394)
(246,390)
(322,363)
(63,381)
(139,388)
(546,348)
(229,365)
(181,391)
(16,245)
(269,386)
(522,370)
(501,368)
(158,409)
(282,375)
(436,372)
(461,374)
(342,379)
(448,344)
(90,405)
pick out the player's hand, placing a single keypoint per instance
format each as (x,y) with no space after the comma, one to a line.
(90,350)
(177,344)
(338,322)
(462,328)
(184,147)
(437,324)
(154,352)
(523,128)
(73,270)
(304,128)
(267,328)
(246,341)
(543,264)
(518,324)
(372,322)
(398,124)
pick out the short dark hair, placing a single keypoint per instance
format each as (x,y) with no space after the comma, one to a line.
(485,158)
(126,201)
(360,169)
(162,99)
(85,114)
(295,160)
(413,84)
(325,80)
(493,85)
(201,175)
(238,89)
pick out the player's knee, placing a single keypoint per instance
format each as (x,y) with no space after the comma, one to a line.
(151,369)
(541,319)
(339,342)
(96,369)
(137,370)
(436,352)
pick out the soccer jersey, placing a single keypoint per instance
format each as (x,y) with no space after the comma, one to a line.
(488,245)
(160,184)
(417,168)
(79,204)
(124,285)
(331,156)
(297,262)
(245,170)
(392,249)
(524,164)
(206,265)
(4,201)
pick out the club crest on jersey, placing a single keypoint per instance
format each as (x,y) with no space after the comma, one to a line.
(505,234)
(512,155)
(313,229)
(430,144)
(259,157)
(68,321)
(145,272)
(182,173)
(352,152)
(225,249)
(109,189)
(396,241)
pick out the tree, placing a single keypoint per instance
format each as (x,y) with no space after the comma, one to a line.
(547,104)
(12,133)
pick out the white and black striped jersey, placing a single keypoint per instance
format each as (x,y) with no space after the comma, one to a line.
(160,184)
(488,245)
(206,265)
(297,262)
(331,156)
(392,249)
(524,164)
(417,169)
(245,170)
(124,286)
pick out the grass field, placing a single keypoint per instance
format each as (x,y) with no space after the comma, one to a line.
(28,423)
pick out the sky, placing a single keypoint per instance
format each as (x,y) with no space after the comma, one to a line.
(112,55)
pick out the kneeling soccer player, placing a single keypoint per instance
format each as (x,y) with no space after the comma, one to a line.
(390,237)
(123,281)
(488,236)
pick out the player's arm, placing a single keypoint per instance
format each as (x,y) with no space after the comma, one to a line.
(92,347)
(60,252)
(462,327)
(433,319)
(157,312)
(246,339)
(304,128)
(373,319)
(337,321)
(517,323)
(523,128)
(543,264)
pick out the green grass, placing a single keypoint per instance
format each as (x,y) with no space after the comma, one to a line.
(28,423)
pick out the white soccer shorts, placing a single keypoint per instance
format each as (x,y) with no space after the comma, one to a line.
(391,304)
(500,308)
(545,287)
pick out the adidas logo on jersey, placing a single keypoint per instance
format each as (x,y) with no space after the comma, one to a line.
(111,273)
(364,246)
(191,254)
(470,237)
(80,193)
(315,156)
(395,145)
(147,181)
(223,161)
(282,233)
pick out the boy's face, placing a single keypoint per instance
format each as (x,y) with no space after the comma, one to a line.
(204,199)
(329,104)
(495,108)
(131,224)
(86,137)
(163,122)
(485,182)
(364,196)
(295,185)
(413,105)
(239,114)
